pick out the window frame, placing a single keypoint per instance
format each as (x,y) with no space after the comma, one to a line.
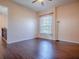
(50,24)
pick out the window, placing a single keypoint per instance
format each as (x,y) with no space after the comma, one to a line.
(46,24)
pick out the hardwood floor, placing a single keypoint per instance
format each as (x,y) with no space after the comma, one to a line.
(2,48)
(42,49)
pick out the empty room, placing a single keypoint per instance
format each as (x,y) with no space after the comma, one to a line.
(39,29)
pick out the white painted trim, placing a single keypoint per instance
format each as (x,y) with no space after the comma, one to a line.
(34,38)
(17,41)
(70,41)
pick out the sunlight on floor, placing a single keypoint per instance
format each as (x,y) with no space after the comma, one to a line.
(46,50)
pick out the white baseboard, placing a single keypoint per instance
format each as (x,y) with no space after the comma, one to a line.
(34,38)
(70,41)
(17,41)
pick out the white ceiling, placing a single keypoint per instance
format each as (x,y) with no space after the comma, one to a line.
(47,4)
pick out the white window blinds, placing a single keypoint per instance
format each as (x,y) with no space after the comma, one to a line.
(46,24)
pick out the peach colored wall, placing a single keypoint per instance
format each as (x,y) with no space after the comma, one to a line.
(21,23)
(3,21)
(68,28)
(68,15)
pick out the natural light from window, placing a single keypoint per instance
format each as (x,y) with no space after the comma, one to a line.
(46,24)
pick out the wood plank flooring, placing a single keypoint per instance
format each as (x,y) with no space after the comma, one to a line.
(2,48)
(42,49)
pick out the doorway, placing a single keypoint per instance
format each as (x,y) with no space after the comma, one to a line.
(3,23)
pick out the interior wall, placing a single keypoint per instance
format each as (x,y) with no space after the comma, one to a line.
(68,15)
(21,23)
(66,23)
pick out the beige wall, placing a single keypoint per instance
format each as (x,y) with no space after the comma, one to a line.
(68,15)
(3,21)
(21,22)
(66,22)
